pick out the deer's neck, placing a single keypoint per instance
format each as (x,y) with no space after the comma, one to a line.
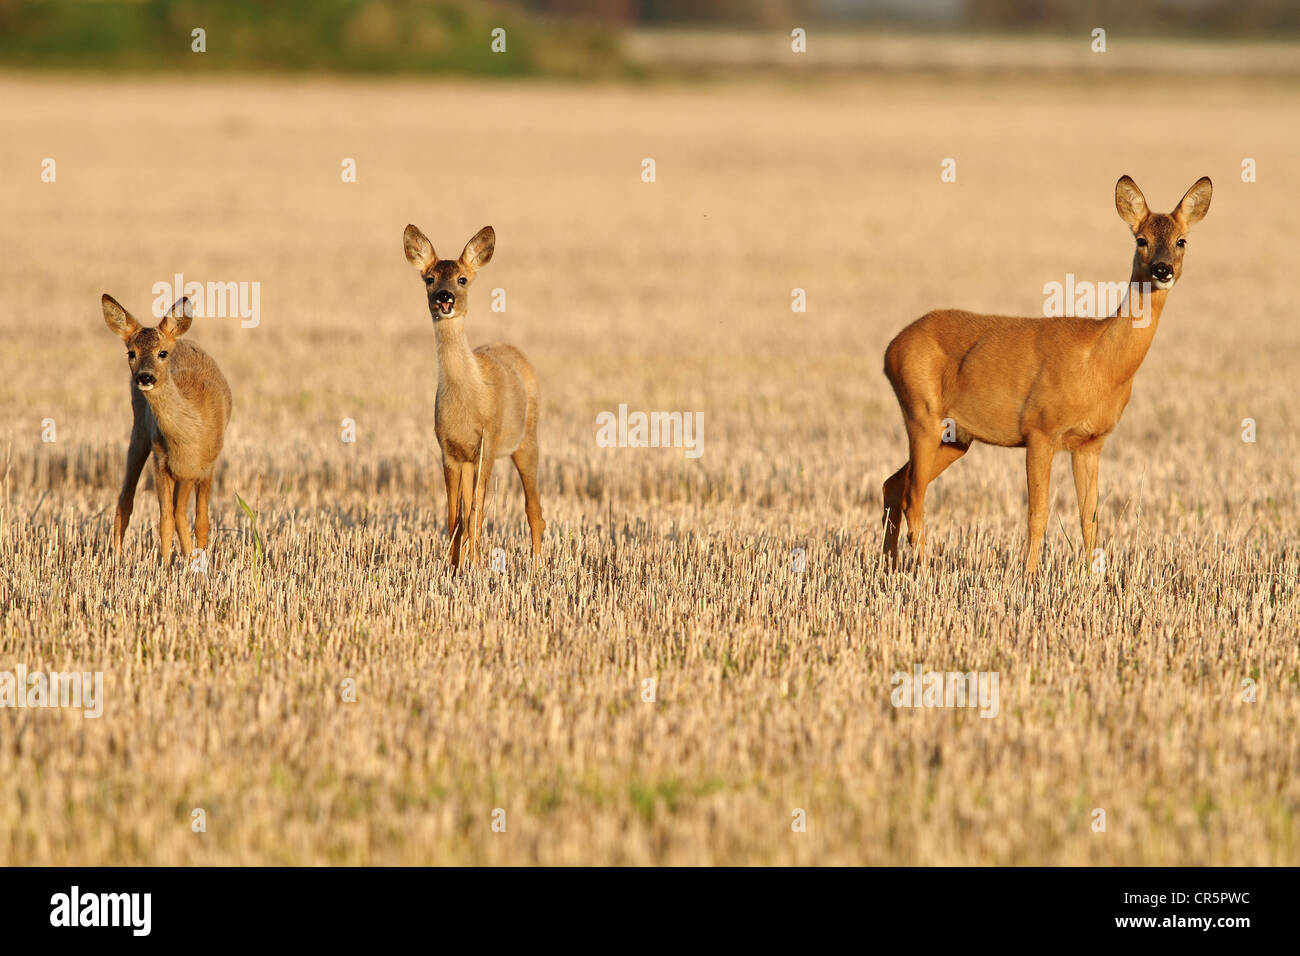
(177,418)
(1129,331)
(457,367)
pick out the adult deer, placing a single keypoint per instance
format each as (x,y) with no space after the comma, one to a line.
(1040,384)
(487,398)
(180,404)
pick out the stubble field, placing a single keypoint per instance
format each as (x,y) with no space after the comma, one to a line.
(523,691)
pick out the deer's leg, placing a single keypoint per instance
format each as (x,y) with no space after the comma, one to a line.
(165,486)
(451,478)
(525,459)
(923,443)
(948,453)
(137,453)
(1038,469)
(456,513)
(893,518)
(460,553)
(895,485)
(182,491)
(482,475)
(1084,460)
(202,525)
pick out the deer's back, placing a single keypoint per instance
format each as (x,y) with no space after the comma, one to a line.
(986,371)
(954,342)
(518,391)
(498,410)
(201,383)
(190,433)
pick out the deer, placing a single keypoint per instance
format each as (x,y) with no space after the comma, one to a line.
(180,405)
(1045,385)
(487,401)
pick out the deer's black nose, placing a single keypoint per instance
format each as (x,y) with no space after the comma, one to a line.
(1163,271)
(144,378)
(444,296)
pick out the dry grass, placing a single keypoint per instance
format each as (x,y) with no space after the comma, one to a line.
(523,691)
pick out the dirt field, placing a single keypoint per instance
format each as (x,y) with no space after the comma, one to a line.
(523,692)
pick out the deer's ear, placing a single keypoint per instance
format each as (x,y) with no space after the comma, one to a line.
(177,320)
(1130,203)
(1196,203)
(419,250)
(478,251)
(118,319)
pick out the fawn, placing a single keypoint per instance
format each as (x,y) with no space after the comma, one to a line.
(487,398)
(1039,384)
(180,404)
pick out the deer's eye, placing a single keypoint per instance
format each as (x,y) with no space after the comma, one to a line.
(130,353)
(1142,243)
(162,354)
(1182,243)
(463,281)
(428,280)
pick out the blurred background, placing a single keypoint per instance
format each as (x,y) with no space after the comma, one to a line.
(590,38)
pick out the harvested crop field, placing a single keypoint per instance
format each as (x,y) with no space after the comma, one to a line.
(501,716)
